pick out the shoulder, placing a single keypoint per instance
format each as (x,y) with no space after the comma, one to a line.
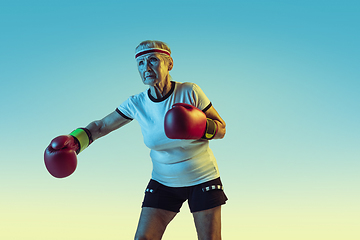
(187,86)
(133,101)
(138,97)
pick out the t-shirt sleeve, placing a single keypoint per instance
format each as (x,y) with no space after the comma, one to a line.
(126,109)
(201,100)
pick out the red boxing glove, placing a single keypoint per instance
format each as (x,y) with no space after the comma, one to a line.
(60,156)
(184,121)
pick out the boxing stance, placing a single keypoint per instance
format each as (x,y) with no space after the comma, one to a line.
(182,121)
(177,121)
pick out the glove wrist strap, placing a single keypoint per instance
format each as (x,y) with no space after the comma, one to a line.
(211,129)
(83,137)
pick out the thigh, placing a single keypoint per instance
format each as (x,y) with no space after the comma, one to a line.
(160,196)
(153,222)
(208,223)
(206,196)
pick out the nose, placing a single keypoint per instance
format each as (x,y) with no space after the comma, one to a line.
(147,65)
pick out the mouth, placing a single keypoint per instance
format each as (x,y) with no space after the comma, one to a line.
(150,76)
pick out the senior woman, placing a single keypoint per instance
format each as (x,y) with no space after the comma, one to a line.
(177,121)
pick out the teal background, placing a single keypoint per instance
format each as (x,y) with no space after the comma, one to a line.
(284,75)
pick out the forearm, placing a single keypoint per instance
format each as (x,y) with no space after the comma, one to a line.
(221,129)
(211,113)
(96,129)
(106,125)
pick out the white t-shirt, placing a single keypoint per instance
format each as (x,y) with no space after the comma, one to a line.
(176,163)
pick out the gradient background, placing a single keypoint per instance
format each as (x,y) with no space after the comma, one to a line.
(284,75)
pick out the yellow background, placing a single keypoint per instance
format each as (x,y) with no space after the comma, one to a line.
(284,75)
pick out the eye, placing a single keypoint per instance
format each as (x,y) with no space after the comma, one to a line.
(153,60)
(140,63)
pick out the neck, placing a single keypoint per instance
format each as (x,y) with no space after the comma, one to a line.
(159,90)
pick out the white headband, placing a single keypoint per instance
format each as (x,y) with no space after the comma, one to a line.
(150,50)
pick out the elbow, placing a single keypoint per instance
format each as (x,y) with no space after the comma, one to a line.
(224,132)
(221,131)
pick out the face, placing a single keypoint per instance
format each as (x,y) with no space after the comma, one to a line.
(153,69)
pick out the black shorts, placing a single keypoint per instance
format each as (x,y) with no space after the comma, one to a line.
(200,197)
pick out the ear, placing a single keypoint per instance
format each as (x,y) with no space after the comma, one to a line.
(171,64)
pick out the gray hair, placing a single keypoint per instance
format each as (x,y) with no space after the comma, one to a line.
(155,44)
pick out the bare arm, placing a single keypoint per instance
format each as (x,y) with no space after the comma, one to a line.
(214,115)
(106,125)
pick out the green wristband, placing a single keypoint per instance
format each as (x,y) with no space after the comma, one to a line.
(211,129)
(83,138)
